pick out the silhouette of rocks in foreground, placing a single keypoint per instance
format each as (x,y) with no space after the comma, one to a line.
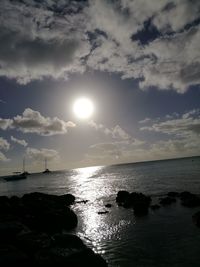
(196,218)
(31,233)
(138,201)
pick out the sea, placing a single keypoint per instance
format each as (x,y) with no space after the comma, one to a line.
(165,237)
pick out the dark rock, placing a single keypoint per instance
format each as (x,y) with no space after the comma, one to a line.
(53,220)
(11,256)
(108,205)
(33,241)
(122,196)
(48,213)
(185,194)
(4,205)
(10,229)
(72,257)
(82,201)
(67,240)
(173,194)
(138,201)
(167,201)
(155,207)
(196,218)
(102,212)
(190,201)
(68,199)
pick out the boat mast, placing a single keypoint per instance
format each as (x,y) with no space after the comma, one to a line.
(23,165)
(45,162)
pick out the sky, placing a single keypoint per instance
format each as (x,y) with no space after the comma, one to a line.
(137,61)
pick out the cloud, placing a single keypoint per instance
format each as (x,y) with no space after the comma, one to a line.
(19,141)
(4,144)
(5,123)
(77,36)
(145,120)
(32,121)
(116,132)
(46,46)
(186,125)
(3,157)
(42,154)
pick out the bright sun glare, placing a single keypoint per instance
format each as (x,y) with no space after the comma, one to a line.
(83,108)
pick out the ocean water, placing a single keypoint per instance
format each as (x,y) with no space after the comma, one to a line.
(165,237)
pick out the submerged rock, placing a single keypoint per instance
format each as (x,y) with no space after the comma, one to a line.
(138,201)
(167,201)
(102,212)
(173,194)
(189,200)
(108,205)
(196,218)
(122,196)
(155,207)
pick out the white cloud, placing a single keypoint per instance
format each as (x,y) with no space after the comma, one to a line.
(5,123)
(65,37)
(19,141)
(3,157)
(116,132)
(32,121)
(42,154)
(4,144)
(186,125)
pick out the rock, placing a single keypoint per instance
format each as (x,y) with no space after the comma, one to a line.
(48,213)
(173,194)
(190,201)
(167,201)
(122,196)
(67,240)
(82,201)
(196,218)
(4,206)
(138,201)
(108,205)
(33,241)
(72,257)
(9,230)
(53,220)
(155,207)
(30,233)
(102,212)
(185,194)
(68,199)
(11,256)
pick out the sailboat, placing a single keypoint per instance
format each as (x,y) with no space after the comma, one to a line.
(17,175)
(45,167)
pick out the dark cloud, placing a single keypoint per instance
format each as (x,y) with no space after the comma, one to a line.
(32,121)
(53,39)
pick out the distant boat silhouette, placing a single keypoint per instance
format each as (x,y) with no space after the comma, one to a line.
(15,177)
(24,170)
(18,175)
(45,167)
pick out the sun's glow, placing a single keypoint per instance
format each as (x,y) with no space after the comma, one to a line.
(83,108)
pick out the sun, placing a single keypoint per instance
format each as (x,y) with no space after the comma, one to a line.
(83,108)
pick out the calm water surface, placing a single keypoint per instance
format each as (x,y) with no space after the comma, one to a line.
(166,237)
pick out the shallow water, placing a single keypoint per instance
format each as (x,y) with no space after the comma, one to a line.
(166,237)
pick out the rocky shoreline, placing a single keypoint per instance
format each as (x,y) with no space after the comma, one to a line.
(33,232)
(35,228)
